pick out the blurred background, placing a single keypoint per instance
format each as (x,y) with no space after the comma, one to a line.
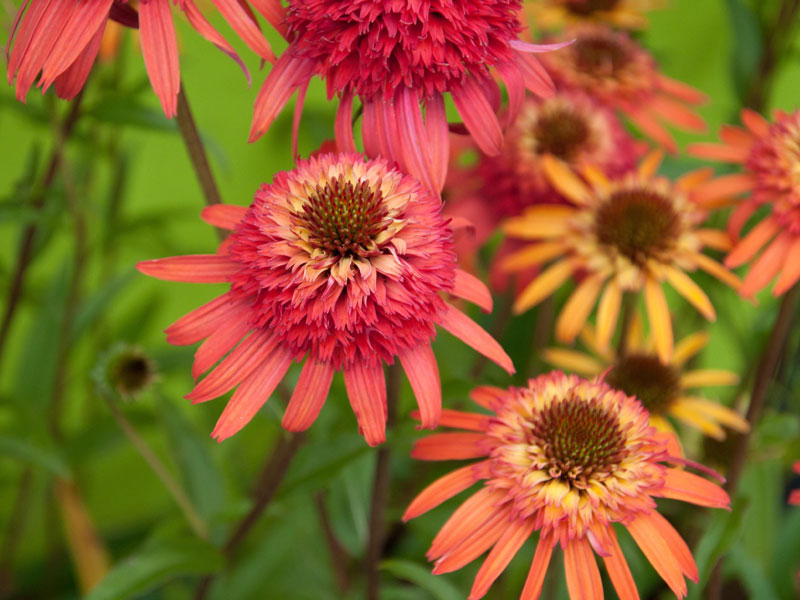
(77,497)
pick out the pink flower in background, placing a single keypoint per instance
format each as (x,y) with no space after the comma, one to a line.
(397,55)
(61,40)
(341,261)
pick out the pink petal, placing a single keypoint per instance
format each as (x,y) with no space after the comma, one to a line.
(366,389)
(243,22)
(413,139)
(472,289)
(464,328)
(478,116)
(536,77)
(343,127)
(160,51)
(274,13)
(438,139)
(298,113)
(420,366)
(441,490)
(195,268)
(309,395)
(204,28)
(221,341)
(202,321)
(225,216)
(72,80)
(524,46)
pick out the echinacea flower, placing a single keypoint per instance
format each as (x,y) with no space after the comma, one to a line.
(569,126)
(770,156)
(662,388)
(61,40)
(626,14)
(397,54)
(623,235)
(568,458)
(615,70)
(341,261)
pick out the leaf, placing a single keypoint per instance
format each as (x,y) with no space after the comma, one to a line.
(749,572)
(28,451)
(748,45)
(124,110)
(155,563)
(94,307)
(438,586)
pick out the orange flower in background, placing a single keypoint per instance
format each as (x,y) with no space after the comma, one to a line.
(61,40)
(770,156)
(626,14)
(615,70)
(396,56)
(341,261)
(568,458)
(623,235)
(663,389)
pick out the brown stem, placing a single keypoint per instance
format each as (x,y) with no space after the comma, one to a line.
(380,493)
(272,475)
(14,530)
(339,555)
(25,252)
(763,379)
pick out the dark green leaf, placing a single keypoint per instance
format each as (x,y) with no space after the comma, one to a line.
(438,587)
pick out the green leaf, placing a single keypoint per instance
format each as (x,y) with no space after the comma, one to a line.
(154,564)
(438,586)
(124,110)
(26,450)
(94,307)
(747,47)
(749,572)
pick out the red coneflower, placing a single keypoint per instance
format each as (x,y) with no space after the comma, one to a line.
(615,70)
(568,458)
(770,155)
(61,40)
(342,261)
(396,54)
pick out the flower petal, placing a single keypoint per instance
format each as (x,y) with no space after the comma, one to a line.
(660,320)
(366,389)
(547,282)
(450,446)
(583,576)
(535,579)
(193,268)
(472,289)
(576,310)
(160,51)
(226,216)
(420,366)
(688,487)
(460,325)
(441,490)
(687,288)
(478,116)
(501,554)
(309,395)
(658,552)
(618,570)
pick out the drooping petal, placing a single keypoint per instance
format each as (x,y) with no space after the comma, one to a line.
(688,487)
(608,313)
(478,116)
(658,553)
(413,139)
(343,126)
(309,395)
(366,389)
(547,282)
(618,570)
(583,576)
(204,28)
(441,490)
(576,310)
(535,579)
(193,268)
(252,393)
(472,513)
(536,77)
(469,332)
(501,554)
(472,289)
(450,446)
(768,265)
(273,12)
(660,320)
(73,78)
(160,52)
(791,270)
(243,22)
(438,137)
(477,541)
(420,366)
(202,321)
(750,244)
(222,341)
(687,288)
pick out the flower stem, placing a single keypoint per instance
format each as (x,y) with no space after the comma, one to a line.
(173,487)
(380,492)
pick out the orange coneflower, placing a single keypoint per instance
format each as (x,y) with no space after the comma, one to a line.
(615,70)
(61,40)
(626,234)
(627,14)
(568,458)
(341,261)
(396,55)
(663,388)
(770,155)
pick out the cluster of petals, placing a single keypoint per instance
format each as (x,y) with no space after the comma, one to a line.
(770,156)
(61,40)
(341,261)
(624,14)
(614,69)
(566,457)
(664,389)
(628,234)
(398,56)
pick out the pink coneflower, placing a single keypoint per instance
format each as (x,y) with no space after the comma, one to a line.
(342,261)
(397,54)
(61,40)
(615,70)
(770,155)
(568,458)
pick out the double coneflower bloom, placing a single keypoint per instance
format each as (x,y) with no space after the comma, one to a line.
(61,40)
(341,261)
(664,389)
(615,70)
(568,458)
(770,156)
(396,56)
(628,234)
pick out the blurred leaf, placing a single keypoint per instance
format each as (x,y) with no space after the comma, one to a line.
(747,47)
(94,307)
(155,563)
(25,450)
(439,587)
(124,109)
(749,572)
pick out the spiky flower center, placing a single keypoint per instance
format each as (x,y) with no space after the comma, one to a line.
(638,222)
(588,7)
(654,384)
(130,372)
(578,437)
(599,55)
(343,218)
(562,132)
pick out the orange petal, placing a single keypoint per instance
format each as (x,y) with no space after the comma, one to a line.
(719,152)
(736,137)
(757,124)
(687,288)
(677,114)
(688,487)
(504,550)
(226,216)
(712,267)
(193,268)
(202,321)
(650,164)
(469,332)
(714,238)
(708,377)
(309,395)
(580,567)
(750,244)
(531,255)
(618,570)
(420,366)
(681,90)
(791,270)
(576,310)
(768,265)
(675,543)
(366,389)
(441,490)
(689,346)
(473,512)
(650,126)
(607,314)
(459,419)
(660,320)
(563,179)
(535,579)
(479,539)
(450,446)
(658,552)
(717,192)
(472,289)
(547,282)
(542,221)
(221,341)
(487,396)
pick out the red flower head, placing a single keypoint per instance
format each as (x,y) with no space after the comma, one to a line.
(61,40)
(770,155)
(568,458)
(341,261)
(394,54)
(615,70)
